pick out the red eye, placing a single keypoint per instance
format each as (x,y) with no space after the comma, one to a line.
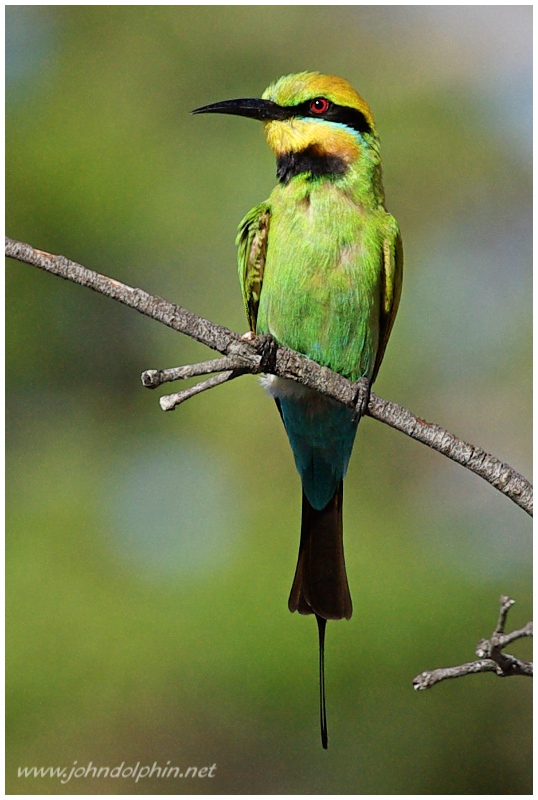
(319,106)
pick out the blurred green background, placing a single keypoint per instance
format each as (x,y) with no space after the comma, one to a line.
(150,555)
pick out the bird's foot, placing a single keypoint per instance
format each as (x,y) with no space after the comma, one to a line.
(267,348)
(363,388)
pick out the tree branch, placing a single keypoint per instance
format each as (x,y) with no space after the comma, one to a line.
(170,401)
(489,652)
(253,355)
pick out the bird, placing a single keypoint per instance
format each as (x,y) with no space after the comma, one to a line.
(320,266)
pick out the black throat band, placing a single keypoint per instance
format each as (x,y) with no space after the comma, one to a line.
(311,160)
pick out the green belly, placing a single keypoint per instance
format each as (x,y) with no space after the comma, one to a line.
(321,285)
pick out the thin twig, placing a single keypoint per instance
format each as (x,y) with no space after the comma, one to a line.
(503,640)
(251,356)
(491,657)
(152,378)
(506,604)
(492,647)
(428,679)
(169,401)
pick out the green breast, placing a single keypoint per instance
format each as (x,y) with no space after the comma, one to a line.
(322,279)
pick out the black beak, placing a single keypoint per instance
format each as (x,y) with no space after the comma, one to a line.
(263,110)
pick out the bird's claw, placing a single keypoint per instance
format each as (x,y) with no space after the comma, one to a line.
(267,348)
(363,388)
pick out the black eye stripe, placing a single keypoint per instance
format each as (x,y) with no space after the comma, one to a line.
(345,115)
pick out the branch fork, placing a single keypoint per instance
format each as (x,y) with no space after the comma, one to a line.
(490,655)
(251,355)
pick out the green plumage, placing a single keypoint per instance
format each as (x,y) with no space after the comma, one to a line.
(331,276)
(320,266)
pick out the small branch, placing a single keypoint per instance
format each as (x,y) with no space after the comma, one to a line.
(169,401)
(505,639)
(506,604)
(428,679)
(152,378)
(492,648)
(491,657)
(254,356)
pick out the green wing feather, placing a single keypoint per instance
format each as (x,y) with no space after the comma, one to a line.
(391,282)
(252,243)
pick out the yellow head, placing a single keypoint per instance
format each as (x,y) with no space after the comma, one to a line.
(324,112)
(312,122)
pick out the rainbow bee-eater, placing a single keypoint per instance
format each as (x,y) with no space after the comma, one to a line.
(320,265)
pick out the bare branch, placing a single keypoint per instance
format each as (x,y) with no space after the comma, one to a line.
(491,657)
(428,679)
(506,604)
(256,356)
(169,401)
(503,640)
(491,648)
(152,378)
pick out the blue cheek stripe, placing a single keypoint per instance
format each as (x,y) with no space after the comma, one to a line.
(341,126)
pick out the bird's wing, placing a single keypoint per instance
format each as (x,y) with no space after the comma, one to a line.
(252,243)
(391,285)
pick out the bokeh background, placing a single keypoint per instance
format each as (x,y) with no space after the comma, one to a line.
(150,555)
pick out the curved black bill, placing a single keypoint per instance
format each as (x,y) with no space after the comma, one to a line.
(263,110)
